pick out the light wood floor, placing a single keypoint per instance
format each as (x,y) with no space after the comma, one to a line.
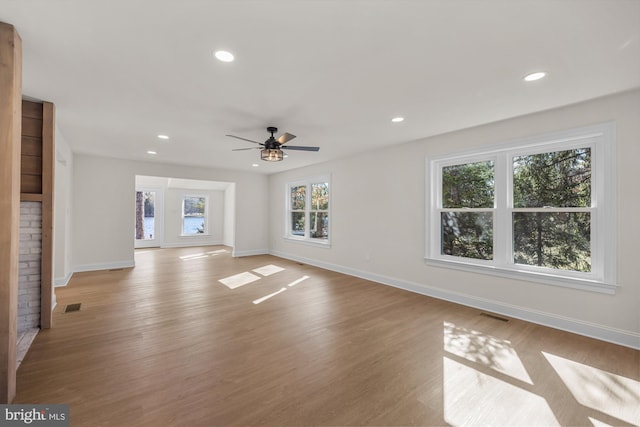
(167,344)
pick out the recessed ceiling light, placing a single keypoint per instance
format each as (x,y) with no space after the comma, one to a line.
(255,165)
(163,137)
(151,152)
(223,55)
(534,76)
(397,119)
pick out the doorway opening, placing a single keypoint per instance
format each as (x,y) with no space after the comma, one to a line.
(179,212)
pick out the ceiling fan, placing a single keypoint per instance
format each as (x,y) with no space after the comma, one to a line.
(271,149)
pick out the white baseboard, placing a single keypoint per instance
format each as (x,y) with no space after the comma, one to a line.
(62,281)
(237,254)
(592,330)
(104,266)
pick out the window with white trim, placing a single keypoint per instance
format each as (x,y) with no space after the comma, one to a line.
(194,215)
(541,209)
(308,210)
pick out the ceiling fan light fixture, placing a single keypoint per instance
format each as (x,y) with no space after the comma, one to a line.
(271,155)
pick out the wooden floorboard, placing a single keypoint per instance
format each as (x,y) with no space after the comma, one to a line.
(166,343)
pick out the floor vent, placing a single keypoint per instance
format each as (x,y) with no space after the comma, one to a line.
(116,269)
(72,307)
(493,316)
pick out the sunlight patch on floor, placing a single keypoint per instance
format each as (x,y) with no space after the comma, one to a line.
(598,423)
(203,255)
(192,257)
(268,270)
(238,280)
(476,399)
(266,297)
(219,251)
(609,393)
(300,280)
(489,351)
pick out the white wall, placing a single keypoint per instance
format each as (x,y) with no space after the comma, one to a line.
(229,215)
(104,194)
(62,225)
(378,224)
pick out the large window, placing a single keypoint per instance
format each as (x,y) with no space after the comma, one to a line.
(194,215)
(308,210)
(541,209)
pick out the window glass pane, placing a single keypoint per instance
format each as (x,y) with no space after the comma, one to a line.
(298,195)
(557,179)
(320,196)
(468,186)
(319,225)
(193,215)
(560,240)
(145,215)
(467,234)
(297,223)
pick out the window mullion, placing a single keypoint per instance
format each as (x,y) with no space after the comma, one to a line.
(307,214)
(502,227)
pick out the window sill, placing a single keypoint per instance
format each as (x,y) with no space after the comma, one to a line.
(195,235)
(309,242)
(529,276)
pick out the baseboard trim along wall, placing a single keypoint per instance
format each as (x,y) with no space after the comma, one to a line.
(191,243)
(604,333)
(104,266)
(62,281)
(237,254)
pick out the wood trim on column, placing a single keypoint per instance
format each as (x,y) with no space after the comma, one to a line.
(46,266)
(10,146)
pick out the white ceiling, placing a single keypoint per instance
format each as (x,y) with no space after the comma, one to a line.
(333,73)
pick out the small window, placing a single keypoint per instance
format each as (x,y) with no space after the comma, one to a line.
(194,218)
(308,211)
(298,212)
(319,211)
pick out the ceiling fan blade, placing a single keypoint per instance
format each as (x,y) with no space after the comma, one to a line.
(244,149)
(244,139)
(300,148)
(282,139)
